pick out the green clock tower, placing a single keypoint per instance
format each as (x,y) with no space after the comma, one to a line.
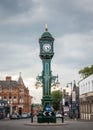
(46,43)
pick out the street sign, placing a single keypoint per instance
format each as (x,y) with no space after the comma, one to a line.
(48,108)
(50,113)
(45,113)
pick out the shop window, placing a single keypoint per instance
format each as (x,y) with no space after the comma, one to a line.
(0,89)
(0,97)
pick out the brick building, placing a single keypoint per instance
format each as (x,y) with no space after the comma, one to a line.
(16,94)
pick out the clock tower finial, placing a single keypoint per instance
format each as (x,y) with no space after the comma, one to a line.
(46,27)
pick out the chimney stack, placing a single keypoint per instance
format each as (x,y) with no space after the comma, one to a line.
(8,78)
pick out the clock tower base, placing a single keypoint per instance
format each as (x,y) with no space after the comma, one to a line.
(44,118)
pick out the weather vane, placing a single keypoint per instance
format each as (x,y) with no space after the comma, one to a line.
(46,27)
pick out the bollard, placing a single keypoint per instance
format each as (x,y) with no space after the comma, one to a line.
(62,117)
(31,118)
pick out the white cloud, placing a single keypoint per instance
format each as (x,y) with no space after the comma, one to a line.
(86,5)
(75,47)
(21,25)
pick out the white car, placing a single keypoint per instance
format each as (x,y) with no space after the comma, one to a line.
(14,116)
(58,115)
(24,115)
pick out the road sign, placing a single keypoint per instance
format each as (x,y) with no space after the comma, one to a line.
(45,113)
(48,108)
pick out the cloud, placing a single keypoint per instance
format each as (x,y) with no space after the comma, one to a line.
(22,12)
(22,24)
(12,8)
(75,48)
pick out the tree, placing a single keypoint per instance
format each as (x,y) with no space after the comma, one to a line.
(86,71)
(57,97)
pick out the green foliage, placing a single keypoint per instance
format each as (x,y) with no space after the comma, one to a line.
(86,71)
(56,96)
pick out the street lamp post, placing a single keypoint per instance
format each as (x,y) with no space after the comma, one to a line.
(62,107)
(10,97)
(71,115)
(76,89)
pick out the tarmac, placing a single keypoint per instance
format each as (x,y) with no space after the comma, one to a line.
(46,124)
(58,123)
(35,123)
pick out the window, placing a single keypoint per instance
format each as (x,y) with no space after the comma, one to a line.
(15,99)
(0,97)
(21,100)
(92,85)
(89,86)
(10,99)
(10,89)
(86,88)
(21,91)
(4,97)
(0,89)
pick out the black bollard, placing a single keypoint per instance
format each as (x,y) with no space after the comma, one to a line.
(62,117)
(47,117)
(31,118)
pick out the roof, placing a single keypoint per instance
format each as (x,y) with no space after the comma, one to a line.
(8,83)
(46,34)
(20,81)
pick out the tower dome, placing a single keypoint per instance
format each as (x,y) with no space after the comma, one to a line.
(46,34)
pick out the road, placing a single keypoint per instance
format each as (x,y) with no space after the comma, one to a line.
(24,124)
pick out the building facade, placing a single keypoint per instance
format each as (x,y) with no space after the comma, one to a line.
(16,94)
(86,98)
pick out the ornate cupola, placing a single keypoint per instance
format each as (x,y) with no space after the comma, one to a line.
(46,45)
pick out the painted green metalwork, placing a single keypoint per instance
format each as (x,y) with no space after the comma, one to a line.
(46,43)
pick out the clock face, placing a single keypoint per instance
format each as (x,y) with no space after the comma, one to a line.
(47,47)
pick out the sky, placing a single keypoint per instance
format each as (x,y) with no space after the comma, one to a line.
(22,22)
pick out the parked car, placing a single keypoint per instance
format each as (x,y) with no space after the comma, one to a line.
(15,116)
(24,115)
(29,115)
(1,115)
(59,115)
(2,112)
